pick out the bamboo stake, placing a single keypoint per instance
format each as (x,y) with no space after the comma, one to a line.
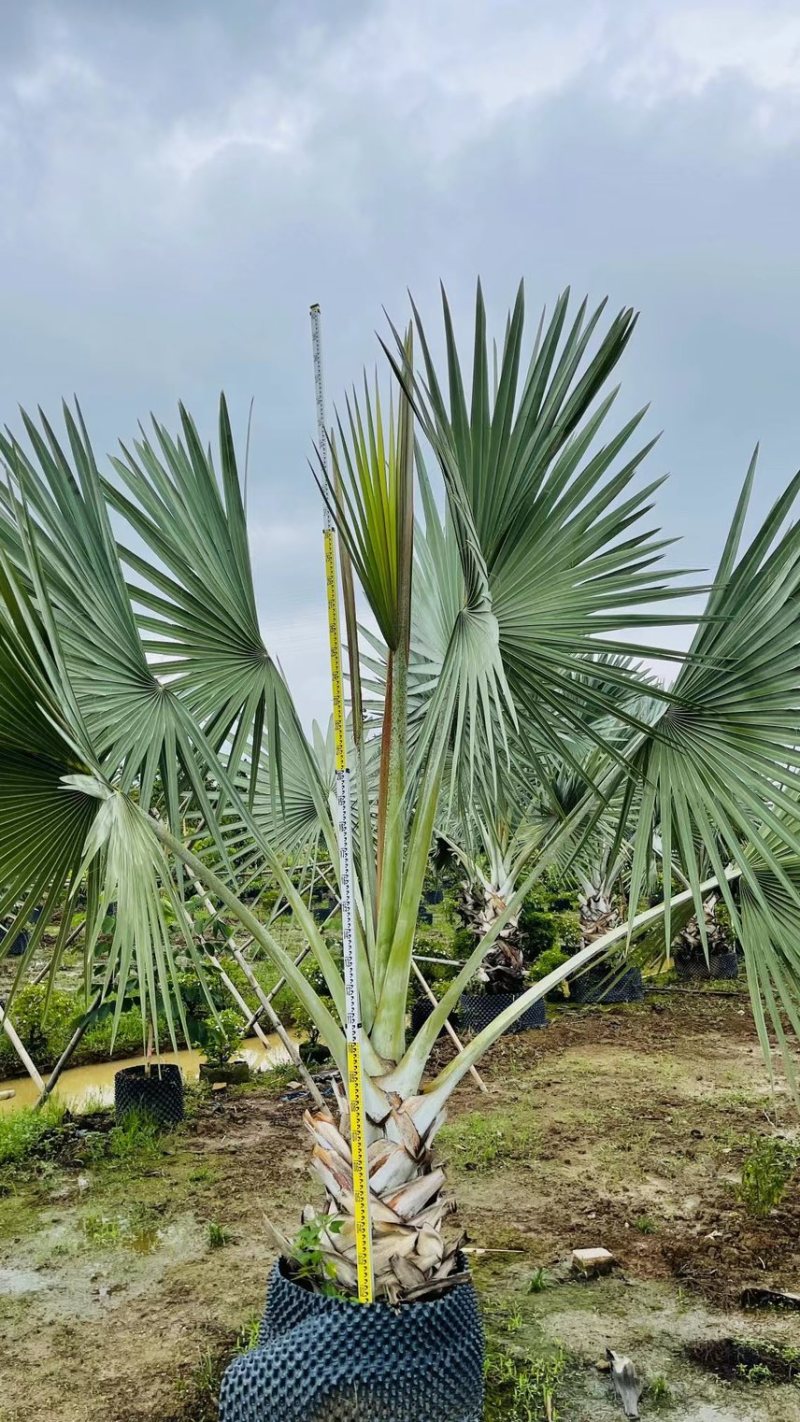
(451,1032)
(277,1025)
(273,992)
(272,1016)
(241,1003)
(20,1050)
(67,1053)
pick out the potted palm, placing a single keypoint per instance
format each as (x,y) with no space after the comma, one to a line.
(150,741)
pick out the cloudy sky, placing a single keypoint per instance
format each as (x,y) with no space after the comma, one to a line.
(181,178)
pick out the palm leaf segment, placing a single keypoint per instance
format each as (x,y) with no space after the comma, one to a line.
(549,531)
(718,769)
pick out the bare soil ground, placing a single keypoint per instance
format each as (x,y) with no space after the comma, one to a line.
(625,1128)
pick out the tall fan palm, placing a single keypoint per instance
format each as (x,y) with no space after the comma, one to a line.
(136,690)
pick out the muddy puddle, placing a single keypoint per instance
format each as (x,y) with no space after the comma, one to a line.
(94,1085)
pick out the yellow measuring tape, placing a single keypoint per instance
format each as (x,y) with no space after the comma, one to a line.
(358,1131)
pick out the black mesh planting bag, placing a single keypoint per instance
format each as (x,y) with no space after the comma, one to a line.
(160,1094)
(331,1360)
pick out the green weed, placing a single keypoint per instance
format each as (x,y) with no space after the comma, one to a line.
(136,1140)
(645,1225)
(659,1393)
(539,1282)
(523,1389)
(766,1173)
(218,1235)
(102,1230)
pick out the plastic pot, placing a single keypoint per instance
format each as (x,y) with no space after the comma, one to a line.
(331,1360)
(424,916)
(232,1073)
(603,984)
(478,1009)
(433,896)
(160,1094)
(719,965)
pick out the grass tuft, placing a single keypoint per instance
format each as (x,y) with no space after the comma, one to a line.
(22,1132)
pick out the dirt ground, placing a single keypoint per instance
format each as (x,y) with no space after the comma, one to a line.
(624,1127)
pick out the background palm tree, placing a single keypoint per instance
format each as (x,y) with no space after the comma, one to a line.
(139,705)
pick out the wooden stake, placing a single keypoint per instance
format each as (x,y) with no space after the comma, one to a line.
(20,1050)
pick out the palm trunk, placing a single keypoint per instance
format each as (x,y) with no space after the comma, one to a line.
(503,969)
(411,1257)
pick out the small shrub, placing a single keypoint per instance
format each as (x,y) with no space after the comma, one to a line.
(222,1037)
(766,1173)
(547,962)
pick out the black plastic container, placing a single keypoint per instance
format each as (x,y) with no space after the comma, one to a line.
(20,944)
(424,916)
(607,985)
(433,896)
(719,965)
(478,1009)
(421,1009)
(332,1360)
(160,1094)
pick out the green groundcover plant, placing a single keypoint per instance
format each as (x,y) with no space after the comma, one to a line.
(149,743)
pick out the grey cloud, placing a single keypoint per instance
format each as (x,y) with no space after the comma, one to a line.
(181,181)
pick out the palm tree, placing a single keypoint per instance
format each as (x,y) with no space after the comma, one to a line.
(138,701)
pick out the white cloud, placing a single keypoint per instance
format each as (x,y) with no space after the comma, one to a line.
(683,50)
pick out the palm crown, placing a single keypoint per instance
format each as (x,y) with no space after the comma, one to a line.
(148,740)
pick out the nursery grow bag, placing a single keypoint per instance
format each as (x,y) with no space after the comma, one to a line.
(421,1009)
(433,896)
(478,1009)
(160,1094)
(719,965)
(232,1073)
(604,985)
(333,1360)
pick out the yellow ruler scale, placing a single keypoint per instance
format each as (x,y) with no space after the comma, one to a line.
(355,1077)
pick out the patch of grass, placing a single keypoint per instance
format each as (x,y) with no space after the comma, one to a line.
(525,1388)
(137,1140)
(202,1175)
(659,1393)
(274,1081)
(218,1235)
(102,1230)
(646,1225)
(478,1142)
(22,1132)
(248,1335)
(766,1172)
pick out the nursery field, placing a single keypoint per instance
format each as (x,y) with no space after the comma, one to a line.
(133,1266)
